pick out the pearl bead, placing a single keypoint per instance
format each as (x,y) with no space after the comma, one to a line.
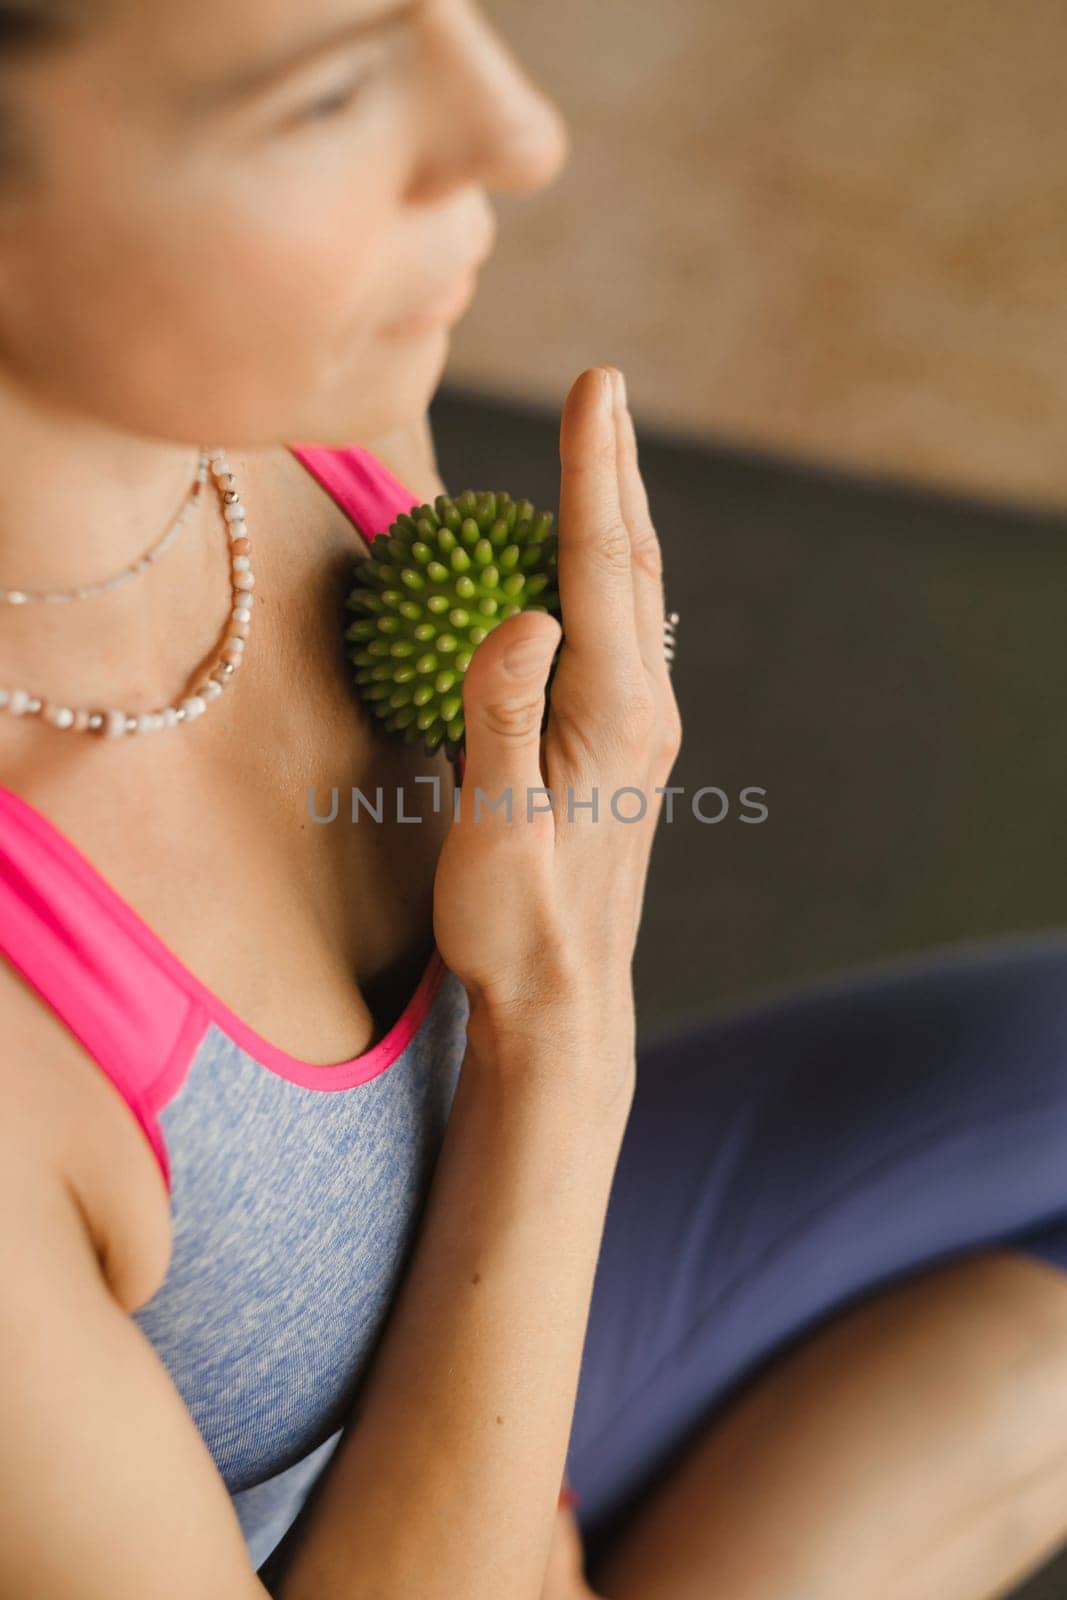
(171,717)
(240,546)
(244,580)
(193,706)
(19,702)
(240,628)
(235,642)
(114,724)
(210,690)
(231,656)
(59,716)
(81,719)
(234,513)
(242,564)
(5,696)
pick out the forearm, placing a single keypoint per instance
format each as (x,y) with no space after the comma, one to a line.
(446,1482)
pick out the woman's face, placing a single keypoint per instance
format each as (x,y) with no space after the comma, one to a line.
(224,224)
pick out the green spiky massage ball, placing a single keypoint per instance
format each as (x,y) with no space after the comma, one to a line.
(432,588)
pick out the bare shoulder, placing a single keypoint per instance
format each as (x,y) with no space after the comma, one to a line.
(64,1117)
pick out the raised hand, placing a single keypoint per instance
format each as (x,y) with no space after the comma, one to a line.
(538,916)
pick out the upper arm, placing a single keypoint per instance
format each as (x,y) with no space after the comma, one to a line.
(107,1490)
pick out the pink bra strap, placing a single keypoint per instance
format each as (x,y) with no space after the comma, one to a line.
(361,484)
(57,929)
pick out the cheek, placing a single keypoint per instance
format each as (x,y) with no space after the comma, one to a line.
(298,251)
(229,320)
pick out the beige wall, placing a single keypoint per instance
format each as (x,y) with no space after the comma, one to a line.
(826,227)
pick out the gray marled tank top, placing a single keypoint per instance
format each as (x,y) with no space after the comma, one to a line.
(294,1212)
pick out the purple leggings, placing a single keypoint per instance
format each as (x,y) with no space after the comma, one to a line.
(783,1160)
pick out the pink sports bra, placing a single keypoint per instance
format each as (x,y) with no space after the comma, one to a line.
(129,1000)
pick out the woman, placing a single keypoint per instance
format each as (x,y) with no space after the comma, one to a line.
(338,1295)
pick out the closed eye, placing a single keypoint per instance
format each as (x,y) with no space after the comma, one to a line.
(329,105)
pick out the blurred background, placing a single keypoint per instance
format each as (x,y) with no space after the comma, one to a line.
(827,244)
(834,231)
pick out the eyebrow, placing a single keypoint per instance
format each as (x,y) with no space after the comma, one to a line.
(261,75)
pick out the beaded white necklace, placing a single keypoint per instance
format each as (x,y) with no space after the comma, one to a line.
(111,722)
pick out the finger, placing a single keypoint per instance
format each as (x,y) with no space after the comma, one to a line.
(594,555)
(649,597)
(503,707)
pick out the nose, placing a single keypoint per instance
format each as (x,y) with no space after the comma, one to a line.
(492,126)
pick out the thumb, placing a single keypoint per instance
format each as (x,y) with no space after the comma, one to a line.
(504,704)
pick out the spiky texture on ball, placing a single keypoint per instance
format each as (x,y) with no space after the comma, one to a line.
(432,588)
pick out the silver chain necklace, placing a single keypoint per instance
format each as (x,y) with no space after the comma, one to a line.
(83,591)
(110,721)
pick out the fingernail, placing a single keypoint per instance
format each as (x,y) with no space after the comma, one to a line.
(620,388)
(607,391)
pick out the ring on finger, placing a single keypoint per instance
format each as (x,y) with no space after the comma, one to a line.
(670,623)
